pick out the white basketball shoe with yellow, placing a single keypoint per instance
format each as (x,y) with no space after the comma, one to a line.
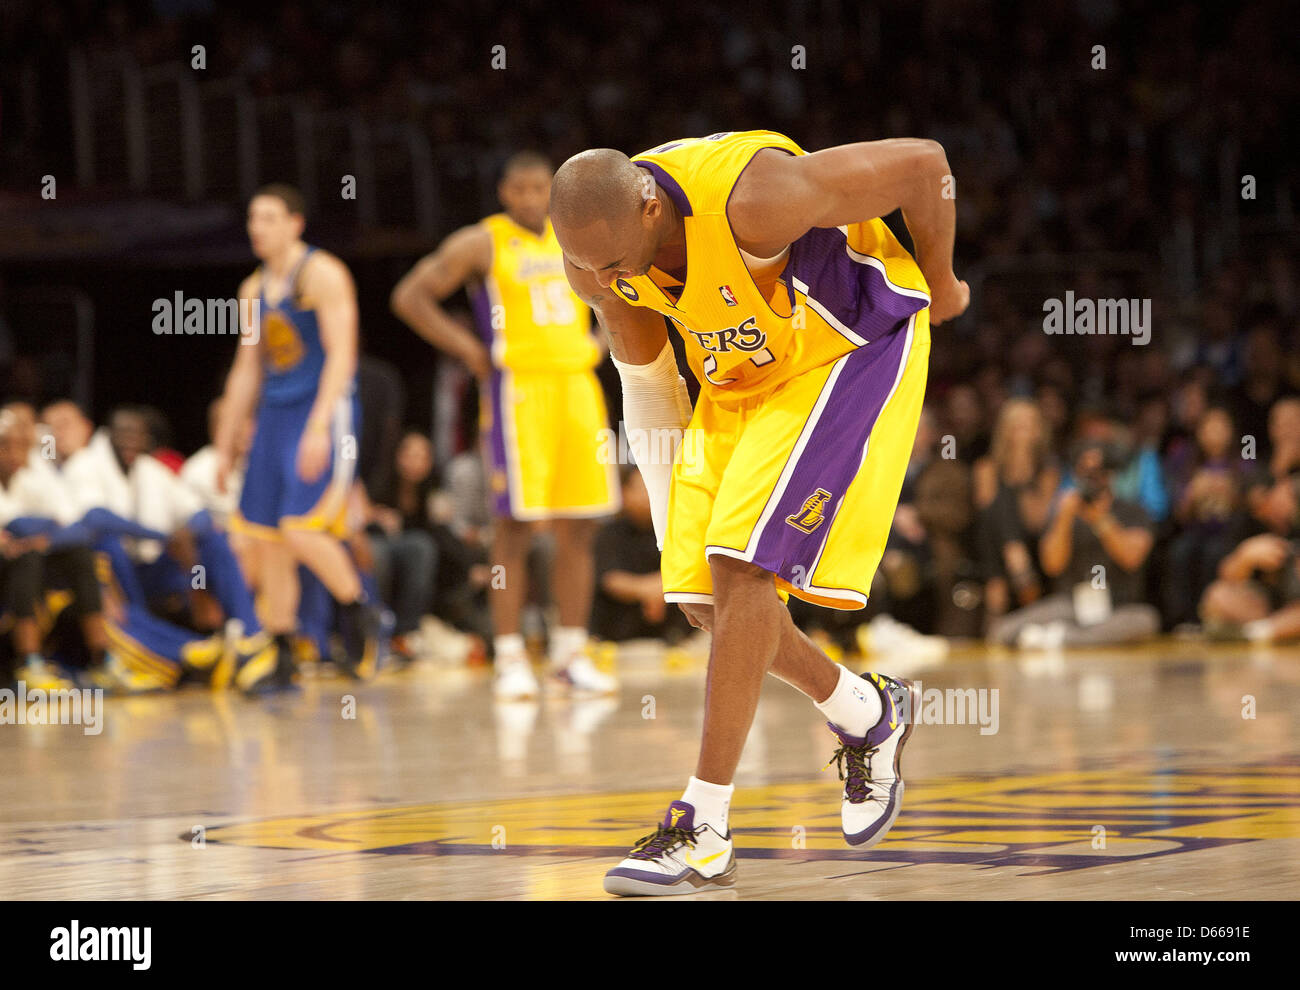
(678,857)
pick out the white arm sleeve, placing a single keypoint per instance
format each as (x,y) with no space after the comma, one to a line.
(656,412)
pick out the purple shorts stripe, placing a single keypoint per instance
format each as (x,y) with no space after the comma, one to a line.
(832,456)
(482,307)
(856,293)
(499,467)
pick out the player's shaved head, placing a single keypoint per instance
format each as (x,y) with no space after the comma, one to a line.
(608,215)
(594,185)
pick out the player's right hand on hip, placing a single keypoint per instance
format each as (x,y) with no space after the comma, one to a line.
(948,300)
(479,363)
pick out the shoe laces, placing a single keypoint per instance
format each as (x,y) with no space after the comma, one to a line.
(853,764)
(661,841)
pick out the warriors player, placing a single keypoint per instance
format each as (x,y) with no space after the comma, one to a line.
(543,411)
(301,375)
(807,325)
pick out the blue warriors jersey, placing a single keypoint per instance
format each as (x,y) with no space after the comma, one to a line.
(292,354)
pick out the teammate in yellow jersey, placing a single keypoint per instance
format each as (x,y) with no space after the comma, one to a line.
(544,424)
(808,327)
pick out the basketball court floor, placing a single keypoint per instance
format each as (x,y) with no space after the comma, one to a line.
(1169,772)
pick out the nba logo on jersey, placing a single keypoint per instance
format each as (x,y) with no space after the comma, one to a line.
(728,296)
(812,513)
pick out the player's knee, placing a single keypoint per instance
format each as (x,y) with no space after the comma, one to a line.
(294,539)
(699,616)
(735,576)
(512,537)
(575,534)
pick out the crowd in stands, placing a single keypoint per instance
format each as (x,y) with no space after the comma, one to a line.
(1012,526)
(1079,490)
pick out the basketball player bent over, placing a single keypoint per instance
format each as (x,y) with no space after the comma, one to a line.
(808,327)
(301,374)
(543,412)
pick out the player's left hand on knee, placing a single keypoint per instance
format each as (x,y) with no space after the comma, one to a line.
(948,300)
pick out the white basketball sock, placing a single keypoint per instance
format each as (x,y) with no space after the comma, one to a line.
(711,803)
(509,648)
(567,642)
(854,705)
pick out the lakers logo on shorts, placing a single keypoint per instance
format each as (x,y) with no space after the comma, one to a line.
(812,514)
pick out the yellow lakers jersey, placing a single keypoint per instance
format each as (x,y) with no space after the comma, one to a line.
(525,309)
(837,289)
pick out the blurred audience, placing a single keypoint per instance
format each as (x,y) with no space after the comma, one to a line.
(402,546)
(1094,549)
(1186,449)
(1257,594)
(1013,488)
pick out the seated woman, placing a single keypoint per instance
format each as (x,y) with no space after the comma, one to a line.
(402,545)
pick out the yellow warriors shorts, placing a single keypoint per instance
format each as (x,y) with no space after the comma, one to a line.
(802,481)
(548,448)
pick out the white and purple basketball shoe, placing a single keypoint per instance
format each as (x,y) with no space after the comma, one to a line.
(676,858)
(869,765)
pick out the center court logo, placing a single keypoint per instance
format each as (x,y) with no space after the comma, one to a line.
(76,706)
(77,944)
(180,316)
(1034,822)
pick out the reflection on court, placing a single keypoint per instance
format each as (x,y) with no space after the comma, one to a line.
(1112,773)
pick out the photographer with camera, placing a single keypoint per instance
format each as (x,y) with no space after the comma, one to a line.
(1094,550)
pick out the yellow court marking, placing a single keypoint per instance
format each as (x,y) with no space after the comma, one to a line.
(1065,819)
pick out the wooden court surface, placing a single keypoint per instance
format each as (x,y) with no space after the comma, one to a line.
(1123,773)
